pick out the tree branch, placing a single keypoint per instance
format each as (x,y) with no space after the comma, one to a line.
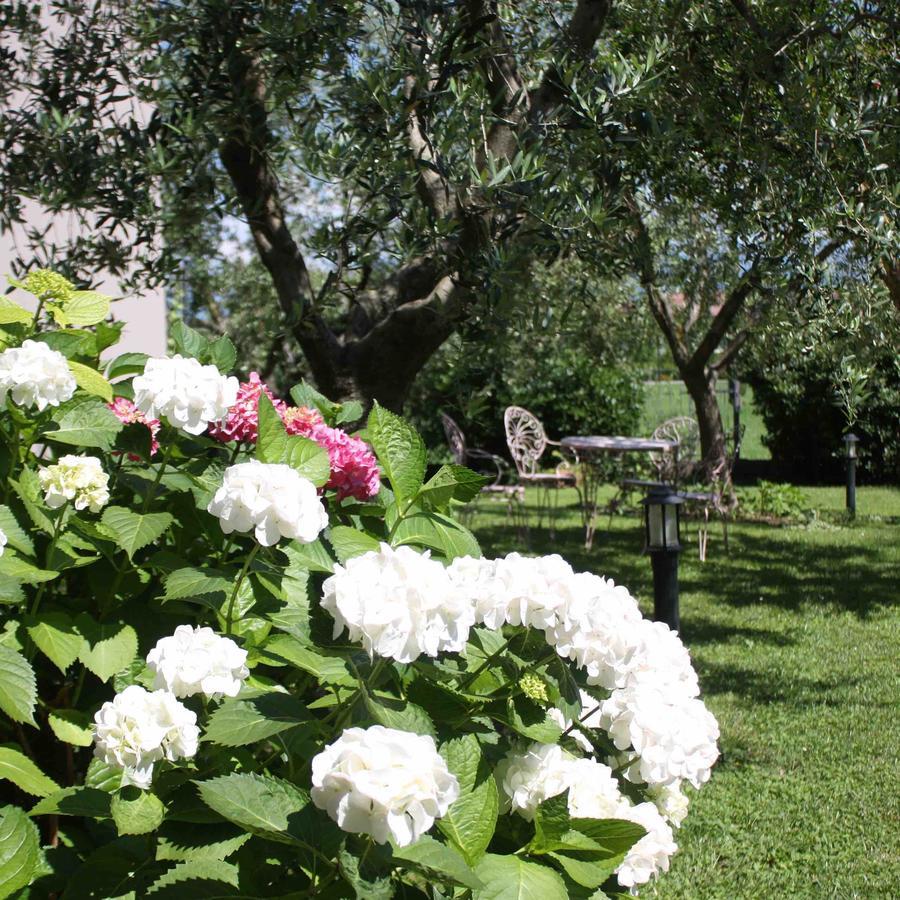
(244,155)
(577,40)
(749,281)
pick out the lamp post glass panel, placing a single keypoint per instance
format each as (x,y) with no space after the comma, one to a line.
(662,521)
(850,442)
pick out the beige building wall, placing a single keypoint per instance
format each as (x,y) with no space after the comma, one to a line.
(144,315)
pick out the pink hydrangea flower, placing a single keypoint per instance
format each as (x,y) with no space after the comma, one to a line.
(354,469)
(127,413)
(242,421)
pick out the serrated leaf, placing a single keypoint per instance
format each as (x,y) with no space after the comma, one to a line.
(24,572)
(130,530)
(435,857)
(436,531)
(400,451)
(259,803)
(471,819)
(91,381)
(18,689)
(304,394)
(16,767)
(84,802)
(513,878)
(589,873)
(239,722)
(20,850)
(85,422)
(102,776)
(185,583)
(187,341)
(328,668)
(349,542)
(83,308)
(16,536)
(275,445)
(126,364)
(122,869)
(183,841)
(136,812)
(312,557)
(614,835)
(222,354)
(532,721)
(451,482)
(403,716)
(201,878)
(55,635)
(108,646)
(13,314)
(72,726)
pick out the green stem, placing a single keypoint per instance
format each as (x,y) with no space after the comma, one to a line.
(76,694)
(487,662)
(237,586)
(55,537)
(156,481)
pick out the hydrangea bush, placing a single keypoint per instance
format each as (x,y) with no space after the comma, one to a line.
(246,653)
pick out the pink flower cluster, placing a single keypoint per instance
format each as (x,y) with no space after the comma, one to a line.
(354,469)
(242,421)
(127,413)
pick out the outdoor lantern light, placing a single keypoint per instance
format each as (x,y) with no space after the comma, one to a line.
(850,441)
(662,523)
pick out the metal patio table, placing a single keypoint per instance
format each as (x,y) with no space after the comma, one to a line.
(589,448)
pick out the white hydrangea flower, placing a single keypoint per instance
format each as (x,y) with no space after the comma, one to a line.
(651,854)
(598,626)
(380,781)
(79,479)
(517,589)
(3,542)
(138,728)
(662,660)
(188,394)
(271,499)
(671,801)
(593,790)
(528,778)
(35,375)
(399,603)
(589,718)
(674,736)
(198,661)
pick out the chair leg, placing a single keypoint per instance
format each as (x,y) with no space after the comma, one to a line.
(703,534)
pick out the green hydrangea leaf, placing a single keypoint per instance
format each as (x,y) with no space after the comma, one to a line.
(16,767)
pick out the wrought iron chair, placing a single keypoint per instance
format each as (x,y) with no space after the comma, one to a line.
(527,441)
(474,458)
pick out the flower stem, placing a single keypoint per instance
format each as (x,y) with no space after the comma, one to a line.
(156,481)
(237,586)
(57,526)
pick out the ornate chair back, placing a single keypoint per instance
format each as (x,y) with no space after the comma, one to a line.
(525,438)
(455,439)
(685,430)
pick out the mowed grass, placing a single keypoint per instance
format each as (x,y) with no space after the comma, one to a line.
(796,637)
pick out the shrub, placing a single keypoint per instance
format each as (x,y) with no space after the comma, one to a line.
(297,674)
(783,501)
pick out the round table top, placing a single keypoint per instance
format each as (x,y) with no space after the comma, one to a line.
(616,443)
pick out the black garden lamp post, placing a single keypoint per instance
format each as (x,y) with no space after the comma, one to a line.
(850,442)
(663,537)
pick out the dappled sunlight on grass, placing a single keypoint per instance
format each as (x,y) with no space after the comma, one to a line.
(796,637)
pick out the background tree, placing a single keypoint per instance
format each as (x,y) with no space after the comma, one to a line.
(460,142)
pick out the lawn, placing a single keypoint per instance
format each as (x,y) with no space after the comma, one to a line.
(796,636)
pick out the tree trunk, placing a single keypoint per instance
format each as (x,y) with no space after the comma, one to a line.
(701,385)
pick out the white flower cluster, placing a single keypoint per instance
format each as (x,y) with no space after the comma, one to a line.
(79,479)
(399,603)
(188,394)
(138,728)
(35,375)
(383,782)
(198,661)
(271,499)
(541,771)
